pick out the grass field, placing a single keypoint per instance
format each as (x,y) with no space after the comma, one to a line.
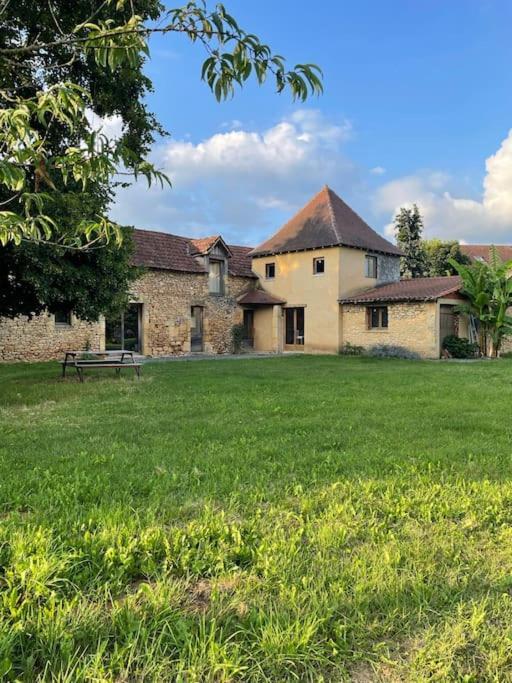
(300,518)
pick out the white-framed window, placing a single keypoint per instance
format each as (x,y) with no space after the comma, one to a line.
(319,266)
(216,277)
(370,266)
(270,271)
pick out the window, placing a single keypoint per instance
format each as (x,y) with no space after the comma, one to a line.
(371,266)
(270,271)
(318,266)
(216,277)
(377,317)
(63,317)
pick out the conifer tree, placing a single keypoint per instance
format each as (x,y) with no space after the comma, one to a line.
(408,231)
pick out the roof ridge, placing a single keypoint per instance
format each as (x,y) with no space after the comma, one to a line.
(327,189)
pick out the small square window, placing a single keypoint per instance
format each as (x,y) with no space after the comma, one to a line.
(377,317)
(63,317)
(270,271)
(318,266)
(371,266)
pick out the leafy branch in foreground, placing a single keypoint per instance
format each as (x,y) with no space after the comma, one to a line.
(46,141)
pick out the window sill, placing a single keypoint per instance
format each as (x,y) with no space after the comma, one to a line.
(318,274)
(63,326)
(377,329)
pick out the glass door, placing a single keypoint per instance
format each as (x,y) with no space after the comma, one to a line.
(294,329)
(196,328)
(124,330)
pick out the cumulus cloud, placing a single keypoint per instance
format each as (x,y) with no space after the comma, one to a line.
(483,220)
(110,126)
(239,182)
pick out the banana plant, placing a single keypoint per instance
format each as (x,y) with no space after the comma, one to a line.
(487,286)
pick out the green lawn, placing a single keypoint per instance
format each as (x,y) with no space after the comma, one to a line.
(299,518)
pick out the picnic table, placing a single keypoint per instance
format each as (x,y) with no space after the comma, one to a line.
(118,359)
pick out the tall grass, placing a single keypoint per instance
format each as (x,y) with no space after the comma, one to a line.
(286,519)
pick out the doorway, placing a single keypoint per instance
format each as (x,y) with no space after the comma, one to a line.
(294,329)
(248,328)
(124,331)
(446,322)
(196,328)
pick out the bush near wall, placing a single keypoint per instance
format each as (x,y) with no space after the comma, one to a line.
(460,348)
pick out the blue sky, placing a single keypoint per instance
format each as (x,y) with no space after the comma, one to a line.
(418,98)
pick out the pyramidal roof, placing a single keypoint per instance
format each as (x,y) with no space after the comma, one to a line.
(326,221)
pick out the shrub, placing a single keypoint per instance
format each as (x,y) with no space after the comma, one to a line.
(460,348)
(237,337)
(349,349)
(391,351)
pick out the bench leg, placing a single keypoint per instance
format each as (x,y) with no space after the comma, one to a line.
(137,372)
(64,369)
(80,374)
(118,372)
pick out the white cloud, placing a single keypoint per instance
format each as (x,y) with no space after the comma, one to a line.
(378,170)
(110,126)
(474,220)
(242,183)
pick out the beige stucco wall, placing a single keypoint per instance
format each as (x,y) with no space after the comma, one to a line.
(296,283)
(318,294)
(40,338)
(414,326)
(268,321)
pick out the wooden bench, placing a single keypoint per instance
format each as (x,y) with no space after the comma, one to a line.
(80,366)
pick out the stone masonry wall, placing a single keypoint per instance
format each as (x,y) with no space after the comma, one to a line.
(167,298)
(388,268)
(22,339)
(411,325)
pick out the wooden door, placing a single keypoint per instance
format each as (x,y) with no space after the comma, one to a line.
(294,329)
(196,328)
(446,322)
(248,327)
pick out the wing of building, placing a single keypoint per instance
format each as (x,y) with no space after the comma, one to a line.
(323,280)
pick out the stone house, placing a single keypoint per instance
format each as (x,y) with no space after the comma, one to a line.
(326,278)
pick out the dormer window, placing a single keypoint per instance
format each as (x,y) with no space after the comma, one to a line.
(371,267)
(216,277)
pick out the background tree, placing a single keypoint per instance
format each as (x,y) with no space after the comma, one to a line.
(488,288)
(408,231)
(439,254)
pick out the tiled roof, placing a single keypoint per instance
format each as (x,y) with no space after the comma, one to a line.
(258,297)
(164,251)
(417,289)
(481,251)
(326,221)
(203,244)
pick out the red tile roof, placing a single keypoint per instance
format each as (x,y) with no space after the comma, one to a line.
(164,251)
(326,221)
(481,251)
(258,297)
(417,289)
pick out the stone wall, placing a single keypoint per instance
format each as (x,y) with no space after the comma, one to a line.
(167,298)
(388,268)
(22,339)
(411,325)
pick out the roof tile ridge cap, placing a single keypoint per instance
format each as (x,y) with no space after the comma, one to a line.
(331,214)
